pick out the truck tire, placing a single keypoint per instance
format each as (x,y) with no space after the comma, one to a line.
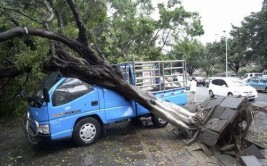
(86,131)
(158,122)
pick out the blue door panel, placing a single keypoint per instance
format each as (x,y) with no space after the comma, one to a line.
(63,117)
(119,113)
(117,107)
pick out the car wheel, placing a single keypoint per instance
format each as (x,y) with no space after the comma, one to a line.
(86,131)
(158,122)
(230,94)
(211,94)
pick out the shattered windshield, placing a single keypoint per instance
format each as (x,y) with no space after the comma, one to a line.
(47,82)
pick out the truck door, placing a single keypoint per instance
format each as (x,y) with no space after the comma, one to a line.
(117,107)
(71,100)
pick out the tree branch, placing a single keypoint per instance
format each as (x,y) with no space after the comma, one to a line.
(50,9)
(22,13)
(59,21)
(12,71)
(86,53)
(165,40)
(79,22)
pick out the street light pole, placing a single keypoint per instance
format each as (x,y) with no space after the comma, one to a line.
(226,56)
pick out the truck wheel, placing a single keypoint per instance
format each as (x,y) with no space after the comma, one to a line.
(158,122)
(86,131)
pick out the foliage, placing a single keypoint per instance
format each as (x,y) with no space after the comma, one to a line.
(209,58)
(131,33)
(250,38)
(191,51)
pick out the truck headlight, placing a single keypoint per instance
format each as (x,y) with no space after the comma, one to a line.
(44,129)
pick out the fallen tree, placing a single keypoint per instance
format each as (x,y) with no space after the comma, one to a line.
(91,67)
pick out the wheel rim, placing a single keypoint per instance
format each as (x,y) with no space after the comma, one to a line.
(87,132)
(162,121)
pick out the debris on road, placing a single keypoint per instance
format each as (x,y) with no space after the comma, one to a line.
(229,127)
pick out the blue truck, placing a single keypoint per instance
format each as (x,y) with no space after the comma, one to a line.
(63,108)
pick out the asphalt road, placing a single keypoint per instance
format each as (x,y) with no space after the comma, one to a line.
(202,94)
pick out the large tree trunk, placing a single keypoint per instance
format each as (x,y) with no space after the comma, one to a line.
(92,69)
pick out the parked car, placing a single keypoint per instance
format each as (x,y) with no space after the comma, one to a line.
(259,83)
(226,86)
(208,80)
(200,81)
(247,76)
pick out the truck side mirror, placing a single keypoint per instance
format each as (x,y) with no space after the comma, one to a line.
(46,95)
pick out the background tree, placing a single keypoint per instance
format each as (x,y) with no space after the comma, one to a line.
(133,32)
(189,51)
(250,39)
(209,57)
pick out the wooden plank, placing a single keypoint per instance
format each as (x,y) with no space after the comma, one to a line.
(253,150)
(206,149)
(205,102)
(249,161)
(215,102)
(228,147)
(208,137)
(216,125)
(208,115)
(193,139)
(264,152)
(229,115)
(218,112)
(232,102)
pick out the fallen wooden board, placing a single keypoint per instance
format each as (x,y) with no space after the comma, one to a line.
(216,125)
(228,147)
(218,112)
(250,161)
(208,137)
(206,149)
(215,102)
(229,114)
(232,102)
(257,133)
(253,150)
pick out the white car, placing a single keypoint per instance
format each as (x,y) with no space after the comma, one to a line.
(226,86)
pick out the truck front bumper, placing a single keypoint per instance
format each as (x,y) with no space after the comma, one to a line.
(34,131)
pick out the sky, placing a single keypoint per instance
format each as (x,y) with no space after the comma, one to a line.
(218,15)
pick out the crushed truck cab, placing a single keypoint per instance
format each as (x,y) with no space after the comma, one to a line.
(64,108)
